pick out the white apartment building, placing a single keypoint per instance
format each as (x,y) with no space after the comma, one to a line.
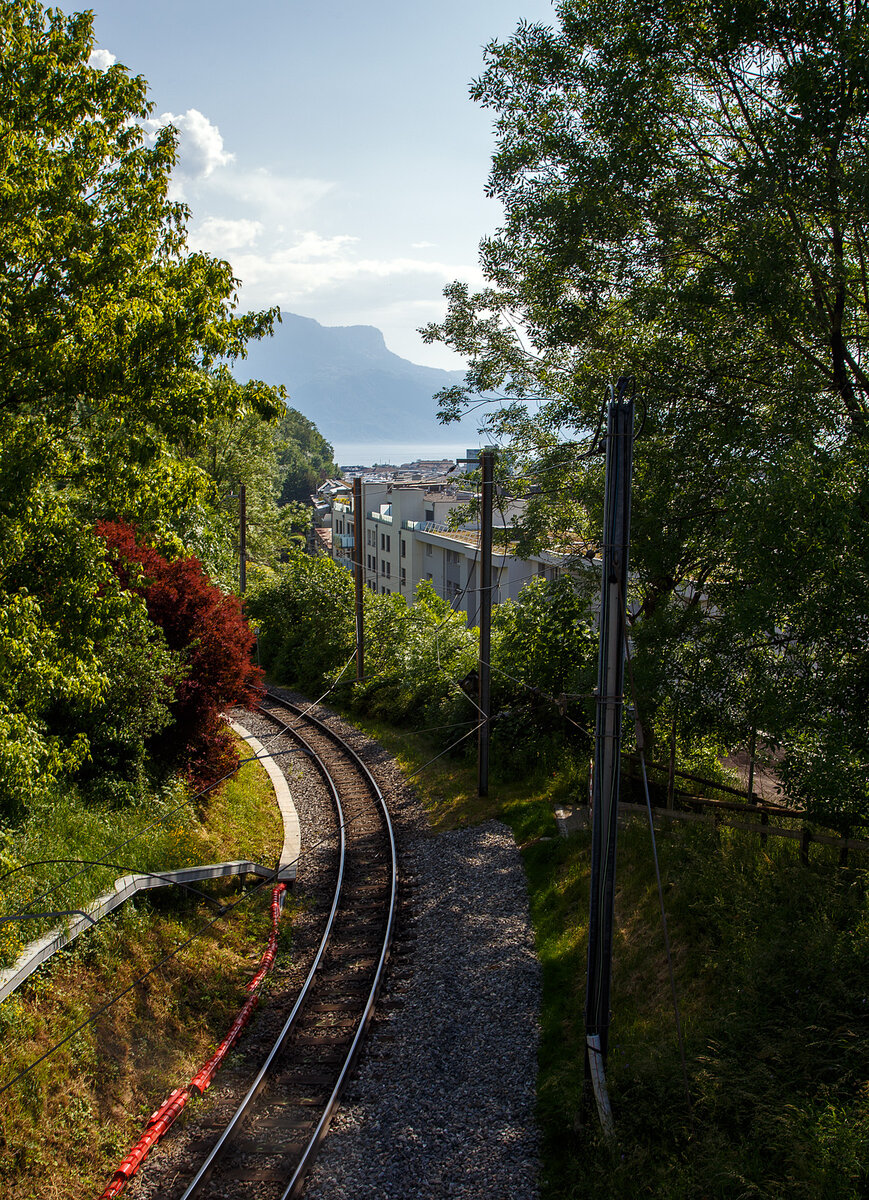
(406,540)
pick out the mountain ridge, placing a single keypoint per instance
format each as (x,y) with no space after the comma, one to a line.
(347,381)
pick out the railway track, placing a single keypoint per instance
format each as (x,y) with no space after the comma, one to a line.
(266,1148)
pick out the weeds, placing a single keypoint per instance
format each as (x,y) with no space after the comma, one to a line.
(66,1124)
(772,962)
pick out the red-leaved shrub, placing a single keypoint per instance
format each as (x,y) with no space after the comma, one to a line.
(216,641)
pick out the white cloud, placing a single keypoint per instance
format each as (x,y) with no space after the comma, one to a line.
(200,144)
(101,60)
(208,178)
(315,264)
(274,197)
(217,235)
(266,225)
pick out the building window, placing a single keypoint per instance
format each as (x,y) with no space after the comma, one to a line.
(403,548)
(384,541)
(403,576)
(428,552)
(384,568)
(429,576)
(429,514)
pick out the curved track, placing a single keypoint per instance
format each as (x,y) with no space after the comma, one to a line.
(267,1147)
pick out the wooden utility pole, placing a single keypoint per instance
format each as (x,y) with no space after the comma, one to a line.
(487,467)
(608,723)
(358,527)
(752,751)
(671,766)
(242,538)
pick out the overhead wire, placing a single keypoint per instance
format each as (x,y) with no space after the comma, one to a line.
(458,741)
(22,912)
(228,908)
(202,929)
(225,909)
(671,972)
(103,1008)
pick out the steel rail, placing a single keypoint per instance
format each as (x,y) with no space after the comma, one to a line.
(308,1155)
(310,1151)
(206,1169)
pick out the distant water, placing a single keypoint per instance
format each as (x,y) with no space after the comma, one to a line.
(367,453)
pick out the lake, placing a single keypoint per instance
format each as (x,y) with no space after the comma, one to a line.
(365,454)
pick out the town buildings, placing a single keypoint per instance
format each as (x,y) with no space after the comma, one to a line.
(407,539)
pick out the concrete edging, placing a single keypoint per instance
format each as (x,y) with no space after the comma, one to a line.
(292,846)
(127,886)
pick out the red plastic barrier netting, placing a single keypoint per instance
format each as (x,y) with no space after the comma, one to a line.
(162,1118)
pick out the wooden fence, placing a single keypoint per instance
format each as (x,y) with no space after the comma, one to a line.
(752,815)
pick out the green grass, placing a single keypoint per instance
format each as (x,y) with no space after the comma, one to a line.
(65,1126)
(772,967)
(159,833)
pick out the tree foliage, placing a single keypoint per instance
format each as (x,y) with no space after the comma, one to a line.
(116,346)
(280,462)
(306,620)
(85,678)
(421,659)
(305,458)
(685,192)
(207,632)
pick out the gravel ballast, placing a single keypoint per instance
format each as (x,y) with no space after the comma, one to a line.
(442,1102)
(443,1105)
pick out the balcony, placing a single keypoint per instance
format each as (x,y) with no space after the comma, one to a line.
(344,540)
(384,518)
(426,526)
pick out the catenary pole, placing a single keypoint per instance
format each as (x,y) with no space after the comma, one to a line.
(608,720)
(242,538)
(358,526)
(487,467)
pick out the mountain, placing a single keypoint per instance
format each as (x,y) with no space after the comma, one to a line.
(345,380)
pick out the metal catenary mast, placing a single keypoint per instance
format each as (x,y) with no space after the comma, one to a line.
(608,728)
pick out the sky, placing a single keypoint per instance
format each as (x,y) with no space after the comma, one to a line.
(329,150)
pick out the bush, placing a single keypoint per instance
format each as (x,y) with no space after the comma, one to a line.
(544,665)
(306,620)
(214,641)
(417,655)
(85,677)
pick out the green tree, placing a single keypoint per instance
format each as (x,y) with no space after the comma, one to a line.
(111,331)
(110,328)
(306,458)
(306,620)
(242,448)
(685,193)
